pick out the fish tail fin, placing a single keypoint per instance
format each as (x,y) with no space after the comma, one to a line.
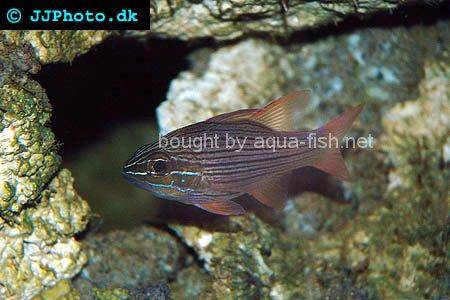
(332,161)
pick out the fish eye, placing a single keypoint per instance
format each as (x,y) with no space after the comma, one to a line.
(159,167)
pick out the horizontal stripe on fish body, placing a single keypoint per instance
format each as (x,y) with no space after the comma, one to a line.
(226,166)
(248,150)
(246,175)
(243,143)
(249,171)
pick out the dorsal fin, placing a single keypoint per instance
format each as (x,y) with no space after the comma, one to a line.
(279,114)
(233,116)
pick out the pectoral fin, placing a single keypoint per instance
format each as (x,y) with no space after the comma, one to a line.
(272,193)
(222,207)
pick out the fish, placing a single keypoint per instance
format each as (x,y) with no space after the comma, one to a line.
(210,175)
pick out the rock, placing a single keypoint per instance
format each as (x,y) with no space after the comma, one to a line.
(415,139)
(224,20)
(61,290)
(131,260)
(27,146)
(192,283)
(40,212)
(55,45)
(375,66)
(15,61)
(158,291)
(38,247)
(229,83)
(408,132)
(247,262)
(392,241)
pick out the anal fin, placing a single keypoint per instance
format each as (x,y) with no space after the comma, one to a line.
(272,193)
(222,207)
(333,163)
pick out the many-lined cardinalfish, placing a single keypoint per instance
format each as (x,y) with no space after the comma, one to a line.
(210,177)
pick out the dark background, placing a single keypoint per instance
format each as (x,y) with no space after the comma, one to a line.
(119,81)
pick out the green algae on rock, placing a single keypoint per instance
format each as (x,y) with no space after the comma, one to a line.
(393,245)
(16,61)
(28,156)
(40,212)
(38,247)
(130,260)
(244,264)
(63,290)
(192,283)
(56,45)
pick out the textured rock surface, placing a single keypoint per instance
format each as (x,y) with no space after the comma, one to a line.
(64,290)
(192,283)
(127,264)
(37,248)
(375,66)
(393,241)
(394,247)
(28,153)
(389,242)
(228,83)
(231,19)
(55,45)
(40,212)
(132,259)
(39,216)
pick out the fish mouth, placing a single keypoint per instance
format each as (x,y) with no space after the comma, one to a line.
(135,180)
(131,169)
(126,175)
(129,173)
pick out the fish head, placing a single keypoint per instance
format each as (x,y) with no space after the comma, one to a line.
(161,172)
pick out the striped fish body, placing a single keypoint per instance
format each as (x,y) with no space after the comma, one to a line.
(248,151)
(244,153)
